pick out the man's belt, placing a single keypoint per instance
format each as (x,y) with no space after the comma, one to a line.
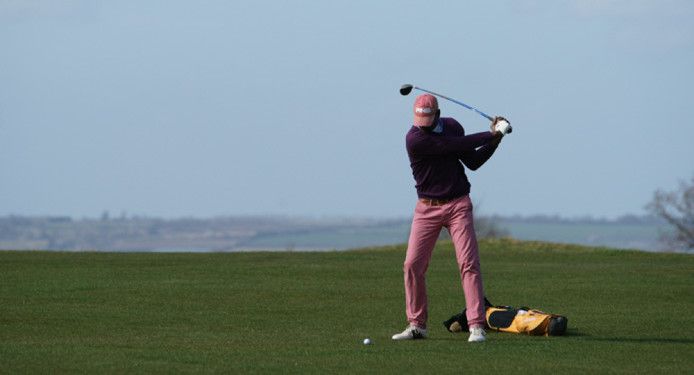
(434,202)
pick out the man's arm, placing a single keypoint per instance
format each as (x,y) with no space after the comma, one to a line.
(424,144)
(477,158)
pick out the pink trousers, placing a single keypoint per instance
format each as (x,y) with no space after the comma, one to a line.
(456,216)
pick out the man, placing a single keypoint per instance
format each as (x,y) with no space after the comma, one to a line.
(436,147)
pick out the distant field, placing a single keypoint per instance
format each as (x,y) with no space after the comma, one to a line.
(228,234)
(334,238)
(308,312)
(622,236)
(625,236)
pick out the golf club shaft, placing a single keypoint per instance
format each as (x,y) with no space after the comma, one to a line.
(456,102)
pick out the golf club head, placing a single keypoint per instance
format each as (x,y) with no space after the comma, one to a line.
(406,89)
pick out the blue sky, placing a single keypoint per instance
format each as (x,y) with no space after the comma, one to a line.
(174,108)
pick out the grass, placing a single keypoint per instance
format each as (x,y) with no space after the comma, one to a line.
(309,312)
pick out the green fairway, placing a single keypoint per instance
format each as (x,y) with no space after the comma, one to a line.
(628,312)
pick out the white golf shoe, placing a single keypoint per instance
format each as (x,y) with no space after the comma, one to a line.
(477,334)
(412,332)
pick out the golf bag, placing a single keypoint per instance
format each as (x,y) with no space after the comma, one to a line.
(509,319)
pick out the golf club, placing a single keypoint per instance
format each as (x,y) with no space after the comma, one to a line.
(407,88)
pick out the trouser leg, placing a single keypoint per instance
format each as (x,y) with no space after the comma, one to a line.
(462,230)
(426,226)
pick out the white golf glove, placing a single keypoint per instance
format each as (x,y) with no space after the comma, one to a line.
(503,127)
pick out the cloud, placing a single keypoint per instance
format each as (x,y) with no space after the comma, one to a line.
(646,26)
(660,25)
(30,10)
(614,7)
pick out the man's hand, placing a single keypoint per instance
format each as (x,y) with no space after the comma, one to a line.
(500,126)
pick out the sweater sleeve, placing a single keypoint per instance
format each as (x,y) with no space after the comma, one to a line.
(425,144)
(475,159)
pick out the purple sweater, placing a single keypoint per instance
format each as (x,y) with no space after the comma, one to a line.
(436,158)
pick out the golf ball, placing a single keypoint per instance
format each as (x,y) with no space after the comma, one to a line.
(367,341)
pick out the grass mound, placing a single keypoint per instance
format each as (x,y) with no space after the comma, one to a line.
(309,312)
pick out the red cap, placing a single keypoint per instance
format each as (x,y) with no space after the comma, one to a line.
(425,107)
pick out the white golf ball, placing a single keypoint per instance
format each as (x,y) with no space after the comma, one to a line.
(367,341)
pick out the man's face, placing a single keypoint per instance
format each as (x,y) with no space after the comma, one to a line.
(425,110)
(434,121)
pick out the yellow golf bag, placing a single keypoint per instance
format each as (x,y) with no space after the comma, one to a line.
(509,319)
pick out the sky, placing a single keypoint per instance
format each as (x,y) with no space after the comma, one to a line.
(183,108)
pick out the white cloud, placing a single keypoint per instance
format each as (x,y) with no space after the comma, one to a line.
(615,7)
(26,10)
(661,25)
